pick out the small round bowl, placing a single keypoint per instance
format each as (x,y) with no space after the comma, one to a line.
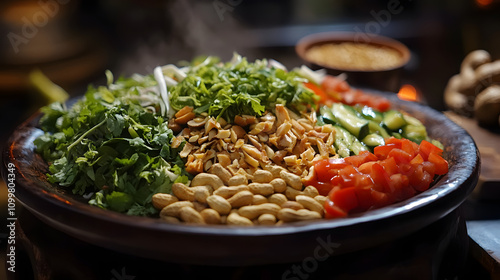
(384,79)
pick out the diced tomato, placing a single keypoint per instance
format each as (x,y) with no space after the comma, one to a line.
(409,147)
(366,167)
(380,199)
(344,198)
(365,199)
(382,152)
(394,172)
(380,178)
(323,187)
(417,160)
(440,163)
(393,141)
(429,167)
(420,179)
(400,156)
(333,211)
(426,148)
(390,166)
(362,157)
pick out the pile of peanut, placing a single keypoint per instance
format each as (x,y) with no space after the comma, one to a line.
(250,172)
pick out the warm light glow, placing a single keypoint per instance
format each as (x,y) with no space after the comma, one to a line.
(408,92)
(483,3)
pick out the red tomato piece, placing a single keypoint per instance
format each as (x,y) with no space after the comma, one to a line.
(440,163)
(420,180)
(400,156)
(390,166)
(344,198)
(363,157)
(382,152)
(333,211)
(380,178)
(409,147)
(426,148)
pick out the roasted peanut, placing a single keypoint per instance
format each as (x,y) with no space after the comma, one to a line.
(237,180)
(278,198)
(290,215)
(201,193)
(267,219)
(227,192)
(253,211)
(241,199)
(205,179)
(279,185)
(291,193)
(160,200)
(262,176)
(310,203)
(211,216)
(219,204)
(261,188)
(221,172)
(198,206)
(292,205)
(170,219)
(292,180)
(183,192)
(310,191)
(189,215)
(174,208)
(259,199)
(235,219)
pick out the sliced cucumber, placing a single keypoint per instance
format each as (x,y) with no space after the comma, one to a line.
(346,143)
(373,140)
(327,115)
(349,120)
(415,133)
(394,120)
(371,114)
(376,128)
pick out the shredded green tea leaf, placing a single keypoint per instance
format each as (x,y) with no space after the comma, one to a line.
(239,87)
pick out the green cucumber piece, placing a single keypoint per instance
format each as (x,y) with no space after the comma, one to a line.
(346,143)
(327,115)
(394,120)
(371,114)
(349,120)
(415,133)
(376,128)
(373,140)
(340,142)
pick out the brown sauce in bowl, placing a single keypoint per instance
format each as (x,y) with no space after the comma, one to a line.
(354,56)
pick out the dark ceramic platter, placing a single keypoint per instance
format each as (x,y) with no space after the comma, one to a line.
(225,245)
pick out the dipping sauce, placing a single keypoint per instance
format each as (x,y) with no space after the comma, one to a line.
(354,56)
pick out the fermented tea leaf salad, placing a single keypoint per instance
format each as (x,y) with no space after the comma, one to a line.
(191,144)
